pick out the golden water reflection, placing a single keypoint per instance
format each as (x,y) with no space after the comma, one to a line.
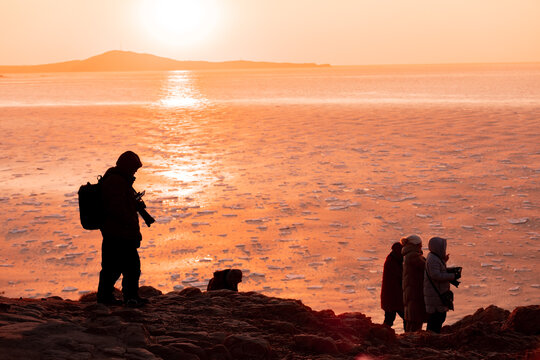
(179,91)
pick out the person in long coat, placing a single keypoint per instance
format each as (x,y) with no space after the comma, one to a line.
(440,278)
(391,290)
(413,283)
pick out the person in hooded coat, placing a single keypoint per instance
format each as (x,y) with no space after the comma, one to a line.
(121,233)
(436,269)
(413,283)
(391,289)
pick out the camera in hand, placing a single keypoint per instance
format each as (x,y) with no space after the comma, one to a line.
(141,209)
(457,271)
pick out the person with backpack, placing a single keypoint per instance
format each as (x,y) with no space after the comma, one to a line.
(437,284)
(413,283)
(391,289)
(121,233)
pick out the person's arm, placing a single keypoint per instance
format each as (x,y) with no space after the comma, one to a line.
(438,272)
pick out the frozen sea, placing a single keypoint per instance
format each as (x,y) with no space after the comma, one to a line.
(302,178)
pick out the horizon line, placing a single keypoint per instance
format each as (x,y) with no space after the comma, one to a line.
(528,62)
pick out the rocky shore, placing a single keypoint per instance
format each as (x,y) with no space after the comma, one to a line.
(220,325)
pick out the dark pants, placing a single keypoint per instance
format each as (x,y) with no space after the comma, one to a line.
(435,321)
(412,326)
(390,316)
(118,260)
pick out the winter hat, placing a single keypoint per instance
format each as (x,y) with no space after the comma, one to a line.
(397,247)
(412,239)
(129,161)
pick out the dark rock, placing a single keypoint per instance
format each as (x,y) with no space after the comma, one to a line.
(149,292)
(135,335)
(139,354)
(114,351)
(97,309)
(228,325)
(190,349)
(128,314)
(346,347)
(492,315)
(245,347)
(191,291)
(382,333)
(167,352)
(316,344)
(217,337)
(524,319)
(218,352)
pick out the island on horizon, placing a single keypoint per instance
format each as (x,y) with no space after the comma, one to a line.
(117,60)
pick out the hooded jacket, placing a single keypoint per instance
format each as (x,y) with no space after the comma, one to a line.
(391,290)
(121,223)
(436,268)
(413,283)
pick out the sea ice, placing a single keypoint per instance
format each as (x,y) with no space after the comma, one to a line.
(294,277)
(256,274)
(164,220)
(69,289)
(363,258)
(256,221)
(518,221)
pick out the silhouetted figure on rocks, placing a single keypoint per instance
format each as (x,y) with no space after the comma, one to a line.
(436,283)
(413,283)
(121,233)
(392,290)
(225,279)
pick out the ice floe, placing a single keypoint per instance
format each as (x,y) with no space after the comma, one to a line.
(518,221)
(294,277)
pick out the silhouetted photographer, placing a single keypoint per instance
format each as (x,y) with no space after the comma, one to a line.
(121,232)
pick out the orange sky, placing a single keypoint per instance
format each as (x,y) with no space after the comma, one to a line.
(340,32)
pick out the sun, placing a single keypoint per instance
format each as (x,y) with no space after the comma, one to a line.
(179,21)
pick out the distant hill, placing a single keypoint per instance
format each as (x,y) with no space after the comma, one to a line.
(117,60)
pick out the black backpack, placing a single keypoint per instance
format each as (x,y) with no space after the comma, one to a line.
(91,205)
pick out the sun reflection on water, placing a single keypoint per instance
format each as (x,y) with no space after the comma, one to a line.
(179,91)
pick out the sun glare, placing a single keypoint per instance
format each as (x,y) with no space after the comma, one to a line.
(179,22)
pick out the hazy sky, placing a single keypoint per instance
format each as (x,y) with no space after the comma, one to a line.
(322,31)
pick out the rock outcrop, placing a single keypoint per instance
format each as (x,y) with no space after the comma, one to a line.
(223,325)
